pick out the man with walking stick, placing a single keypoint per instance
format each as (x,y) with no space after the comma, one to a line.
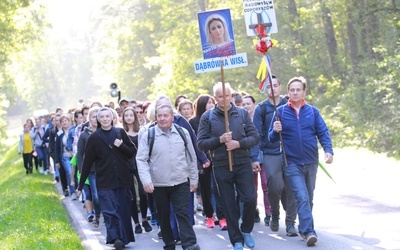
(243,135)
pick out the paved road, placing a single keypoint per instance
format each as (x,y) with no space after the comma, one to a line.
(360,211)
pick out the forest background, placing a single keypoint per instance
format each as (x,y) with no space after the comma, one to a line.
(54,53)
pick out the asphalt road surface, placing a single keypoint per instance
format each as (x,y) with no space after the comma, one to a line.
(360,210)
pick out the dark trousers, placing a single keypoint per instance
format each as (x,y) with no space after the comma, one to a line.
(205,191)
(240,179)
(27,158)
(178,196)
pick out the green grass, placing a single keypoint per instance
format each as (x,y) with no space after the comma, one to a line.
(31,212)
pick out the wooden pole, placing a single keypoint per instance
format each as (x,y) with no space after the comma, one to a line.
(277,118)
(225,112)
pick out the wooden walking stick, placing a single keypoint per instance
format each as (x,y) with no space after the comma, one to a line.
(226,112)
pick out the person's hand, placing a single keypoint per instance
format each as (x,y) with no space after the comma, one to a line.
(193,188)
(231,145)
(78,192)
(277,126)
(58,165)
(226,137)
(206,165)
(256,166)
(328,158)
(118,142)
(148,188)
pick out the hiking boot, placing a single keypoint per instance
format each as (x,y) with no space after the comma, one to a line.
(257,216)
(138,229)
(210,222)
(248,240)
(311,240)
(147,226)
(290,230)
(223,225)
(274,223)
(238,246)
(267,219)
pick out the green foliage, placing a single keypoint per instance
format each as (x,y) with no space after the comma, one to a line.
(347,50)
(31,213)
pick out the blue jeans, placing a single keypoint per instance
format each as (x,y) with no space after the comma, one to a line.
(302,182)
(95,196)
(68,171)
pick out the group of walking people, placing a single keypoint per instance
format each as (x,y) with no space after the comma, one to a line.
(156,157)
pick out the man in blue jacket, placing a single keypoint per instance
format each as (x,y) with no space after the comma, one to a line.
(301,125)
(278,187)
(212,136)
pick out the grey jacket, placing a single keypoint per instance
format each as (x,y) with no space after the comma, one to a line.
(168,164)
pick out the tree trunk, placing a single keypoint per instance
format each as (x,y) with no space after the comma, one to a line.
(330,37)
(202,5)
(294,20)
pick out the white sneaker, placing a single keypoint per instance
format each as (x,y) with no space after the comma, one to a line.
(46,172)
(41,170)
(74,197)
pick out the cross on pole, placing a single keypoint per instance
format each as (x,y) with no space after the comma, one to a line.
(259,23)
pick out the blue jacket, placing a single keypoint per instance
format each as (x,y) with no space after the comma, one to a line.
(300,134)
(262,126)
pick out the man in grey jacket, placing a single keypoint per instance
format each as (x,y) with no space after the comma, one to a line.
(165,172)
(242,136)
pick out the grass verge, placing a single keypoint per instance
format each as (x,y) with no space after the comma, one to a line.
(31,212)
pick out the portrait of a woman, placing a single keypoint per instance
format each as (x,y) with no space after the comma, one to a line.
(217,34)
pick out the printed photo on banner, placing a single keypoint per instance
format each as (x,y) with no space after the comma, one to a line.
(216,33)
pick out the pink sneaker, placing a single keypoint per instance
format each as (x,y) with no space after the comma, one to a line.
(223,225)
(210,222)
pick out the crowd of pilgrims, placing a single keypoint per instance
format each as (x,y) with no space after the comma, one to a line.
(55,144)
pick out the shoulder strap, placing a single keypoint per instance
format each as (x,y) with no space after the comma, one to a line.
(182,134)
(150,139)
(151,135)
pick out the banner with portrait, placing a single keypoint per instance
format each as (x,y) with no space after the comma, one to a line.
(216,33)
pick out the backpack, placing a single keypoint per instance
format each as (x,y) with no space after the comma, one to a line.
(151,136)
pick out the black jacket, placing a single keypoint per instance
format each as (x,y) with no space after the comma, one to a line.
(111,162)
(242,128)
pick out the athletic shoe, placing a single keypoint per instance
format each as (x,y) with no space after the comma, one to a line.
(159,234)
(90,217)
(238,246)
(73,196)
(257,216)
(291,231)
(311,240)
(274,223)
(66,193)
(41,170)
(267,219)
(193,247)
(147,226)
(223,225)
(138,229)
(210,222)
(248,240)
(118,244)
